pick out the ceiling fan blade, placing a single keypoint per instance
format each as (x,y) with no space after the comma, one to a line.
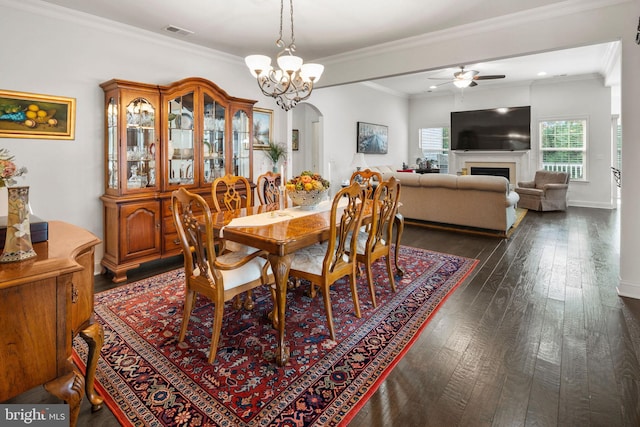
(490,77)
(472,84)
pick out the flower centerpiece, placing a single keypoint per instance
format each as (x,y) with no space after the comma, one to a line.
(307,189)
(8,169)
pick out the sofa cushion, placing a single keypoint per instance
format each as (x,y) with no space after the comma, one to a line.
(483,183)
(438,180)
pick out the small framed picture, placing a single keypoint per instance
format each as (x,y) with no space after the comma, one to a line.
(262,128)
(295,140)
(30,115)
(372,139)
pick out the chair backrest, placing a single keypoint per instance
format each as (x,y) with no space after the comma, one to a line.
(341,248)
(367,179)
(192,218)
(385,206)
(549,177)
(268,188)
(232,197)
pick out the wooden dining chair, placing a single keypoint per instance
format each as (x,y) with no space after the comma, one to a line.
(368,179)
(231,192)
(219,278)
(268,188)
(374,242)
(324,263)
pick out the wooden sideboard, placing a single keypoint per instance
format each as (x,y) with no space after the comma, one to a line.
(44,303)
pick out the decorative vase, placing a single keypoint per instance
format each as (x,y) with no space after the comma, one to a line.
(17,245)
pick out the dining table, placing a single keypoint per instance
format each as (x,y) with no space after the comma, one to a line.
(280,232)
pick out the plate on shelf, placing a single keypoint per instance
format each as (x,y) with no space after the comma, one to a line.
(184,121)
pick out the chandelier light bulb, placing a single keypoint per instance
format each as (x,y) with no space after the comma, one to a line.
(311,72)
(289,63)
(257,63)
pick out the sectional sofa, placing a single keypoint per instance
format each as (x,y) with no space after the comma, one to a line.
(476,201)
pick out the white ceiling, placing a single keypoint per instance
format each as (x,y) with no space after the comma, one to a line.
(331,27)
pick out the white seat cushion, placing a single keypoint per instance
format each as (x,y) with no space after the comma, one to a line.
(239,247)
(239,276)
(309,259)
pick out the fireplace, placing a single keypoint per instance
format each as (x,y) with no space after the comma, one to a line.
(505,169)
(495,171)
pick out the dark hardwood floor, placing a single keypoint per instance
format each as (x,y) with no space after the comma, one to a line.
(536,336)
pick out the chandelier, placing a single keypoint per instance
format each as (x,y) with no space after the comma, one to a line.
(293,81)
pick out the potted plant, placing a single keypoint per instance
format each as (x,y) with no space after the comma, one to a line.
(275,152)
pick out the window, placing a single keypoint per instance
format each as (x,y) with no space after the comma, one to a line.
(563,147)
(434,143)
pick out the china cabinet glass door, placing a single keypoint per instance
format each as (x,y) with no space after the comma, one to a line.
(213,139)
(180,147)
(140,145)
(241,144)
(112,144)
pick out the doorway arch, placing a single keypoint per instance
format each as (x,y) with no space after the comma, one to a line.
(307,119)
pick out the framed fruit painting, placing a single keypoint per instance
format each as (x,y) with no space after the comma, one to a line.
(30,115)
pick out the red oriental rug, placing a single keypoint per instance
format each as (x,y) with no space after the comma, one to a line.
(148,378)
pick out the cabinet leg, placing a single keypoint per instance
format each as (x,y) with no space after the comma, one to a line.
(94,337)
(69,388)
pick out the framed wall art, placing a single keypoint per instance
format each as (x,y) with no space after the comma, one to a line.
(372,139)
(295,140)
(262,128)
(29,115)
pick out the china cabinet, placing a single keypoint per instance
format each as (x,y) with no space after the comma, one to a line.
(157,139)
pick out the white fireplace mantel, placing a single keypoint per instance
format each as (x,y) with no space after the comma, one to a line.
(520,159)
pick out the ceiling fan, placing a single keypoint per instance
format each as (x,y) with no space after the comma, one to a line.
(467,78)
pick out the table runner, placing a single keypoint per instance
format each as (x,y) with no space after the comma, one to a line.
(272,217)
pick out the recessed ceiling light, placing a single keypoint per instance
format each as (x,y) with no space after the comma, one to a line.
(542,73)
(433,87)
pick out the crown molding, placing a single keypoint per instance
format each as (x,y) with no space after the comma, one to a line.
(489,25)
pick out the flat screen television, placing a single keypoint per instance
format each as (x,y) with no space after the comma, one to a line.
(490,130)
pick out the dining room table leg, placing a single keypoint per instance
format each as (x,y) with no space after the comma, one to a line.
(399,222)
(280,266)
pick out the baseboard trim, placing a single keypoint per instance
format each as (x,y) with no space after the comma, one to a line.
(629,290)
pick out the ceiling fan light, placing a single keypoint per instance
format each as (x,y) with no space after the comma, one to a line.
(462,83)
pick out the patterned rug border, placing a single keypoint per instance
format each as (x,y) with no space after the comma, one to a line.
(353,398)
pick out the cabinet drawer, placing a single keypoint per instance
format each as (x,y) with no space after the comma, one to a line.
(171,243)
(166,205)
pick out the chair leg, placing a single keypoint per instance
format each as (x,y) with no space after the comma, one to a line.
(248,302)
(189,299)
(237,302)
(372,290)
(327,309)
(354,293)
(390,272)
(215,332)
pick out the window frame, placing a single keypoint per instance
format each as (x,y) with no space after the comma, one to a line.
(584,149)
(445,151)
